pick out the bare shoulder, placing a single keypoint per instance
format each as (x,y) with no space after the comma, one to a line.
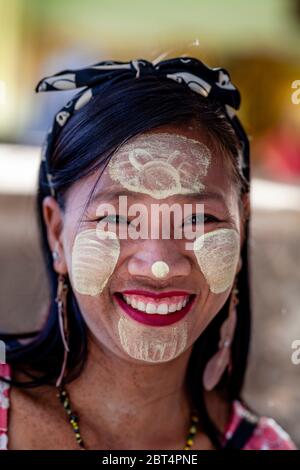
(35,420)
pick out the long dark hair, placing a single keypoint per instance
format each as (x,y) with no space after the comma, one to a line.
(88,140)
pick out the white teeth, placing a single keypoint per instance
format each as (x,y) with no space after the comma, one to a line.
(162,308)
(159,308)
(150,308)
(141,306)
(172,308)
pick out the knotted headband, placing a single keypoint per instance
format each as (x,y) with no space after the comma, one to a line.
(212,83)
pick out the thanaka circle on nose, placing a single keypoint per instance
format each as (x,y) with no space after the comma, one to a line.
(160,269)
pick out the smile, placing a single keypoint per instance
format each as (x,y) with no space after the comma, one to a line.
(155,309)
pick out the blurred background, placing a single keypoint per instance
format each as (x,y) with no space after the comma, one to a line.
(259,42)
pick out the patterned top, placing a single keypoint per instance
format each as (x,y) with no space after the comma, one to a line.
(268,435)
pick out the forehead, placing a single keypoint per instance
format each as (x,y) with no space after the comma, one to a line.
(161,165)
(167,161)
(180,159)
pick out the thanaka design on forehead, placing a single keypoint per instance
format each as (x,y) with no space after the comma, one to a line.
(161,165)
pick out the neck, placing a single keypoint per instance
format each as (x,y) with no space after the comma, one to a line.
(147,402)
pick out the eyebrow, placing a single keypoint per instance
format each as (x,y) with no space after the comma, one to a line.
(113,195)
(206,195)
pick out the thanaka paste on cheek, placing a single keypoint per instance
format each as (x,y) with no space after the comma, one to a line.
(94,257)
(152,344)
(217,253)
(161,165)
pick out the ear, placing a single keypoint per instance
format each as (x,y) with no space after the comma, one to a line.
(245,213)
(53,218)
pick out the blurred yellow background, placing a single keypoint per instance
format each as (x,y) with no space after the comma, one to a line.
(259,43)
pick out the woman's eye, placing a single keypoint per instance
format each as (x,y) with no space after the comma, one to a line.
(113,219)
(210,218)
(200,218)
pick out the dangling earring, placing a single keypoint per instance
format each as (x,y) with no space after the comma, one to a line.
(61,300)
(55,254)
(222,358)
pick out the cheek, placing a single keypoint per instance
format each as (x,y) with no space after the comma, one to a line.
(217,253)
(94,257)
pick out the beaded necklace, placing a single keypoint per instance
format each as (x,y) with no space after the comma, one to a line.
(74,421)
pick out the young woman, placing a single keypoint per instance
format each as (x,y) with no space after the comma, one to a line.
(146,341)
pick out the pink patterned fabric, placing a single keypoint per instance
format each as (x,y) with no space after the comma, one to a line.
(5,372)
(267,436)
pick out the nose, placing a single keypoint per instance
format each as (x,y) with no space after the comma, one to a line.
(155,259)
(160,269)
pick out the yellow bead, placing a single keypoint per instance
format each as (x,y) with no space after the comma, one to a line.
(189,442)
(193,429)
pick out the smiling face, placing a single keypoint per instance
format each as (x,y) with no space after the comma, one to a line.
(150,299)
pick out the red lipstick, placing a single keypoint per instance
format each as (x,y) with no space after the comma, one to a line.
(154,319)
(156,295)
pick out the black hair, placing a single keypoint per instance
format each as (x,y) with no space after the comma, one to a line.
(88,140)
